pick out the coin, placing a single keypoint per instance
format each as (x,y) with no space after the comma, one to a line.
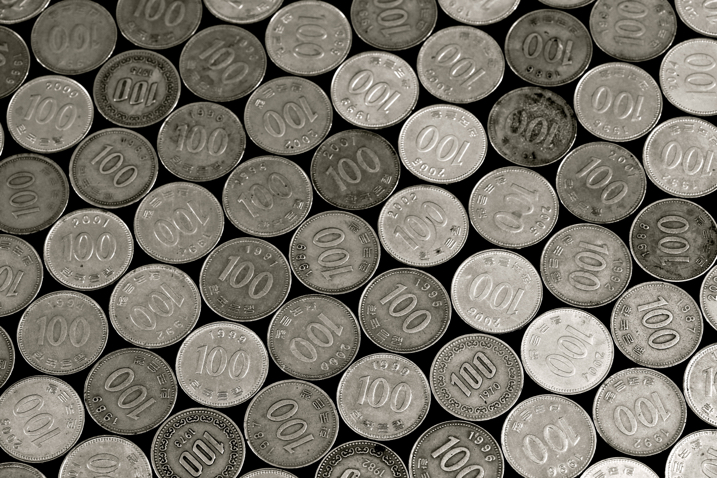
(15,63)
(178,223)
(49,114)
(248,11)
(161,26)
(269,472)
(88,249)
(237,279)
(601,182)
(99,174)
(308,122)
(496,291)
(148,391)
(283,405)
(483,12)
(673,240)
(521,213)
(394,25)
(332,331)
(229,373)
(18,470)
(348,458)
(567,351)
(400,408)
(684,76)
(566,3)
(108,455)
(7,357)
(136,88)
(267,196)
(532,127)
(620,466)
(16,11)
(692,455)
(639,412)
(374,90)
(442,144)
(222,63)
(698,15)
(429,226)
(17,259)
(699,384)
(342,248)
(43,417)
(214,444)
(708,295)
(159,313)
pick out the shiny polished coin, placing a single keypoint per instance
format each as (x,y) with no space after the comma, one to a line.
(222,63)
(355,169)
(374,89)
(460,64)
(7,357)
(708,297)
(394,25)
(73,37)
(399,410)
(130,391)
(222,364)
(619,466)
(566,3)
(684,78)
(532,127)
(349,458)
(674,240)
(698,15)
(247,11)
(136,88)
(639,412)
(567,351)
(478,13)
(161,26)
(442,144)
(113,168)
(16,11)
(313,337)
(88,249)
(50,114)
(476,377)
(21,272)
(178,223)
(496,291)
(601,182)
(267,196)
(269,473)
(699,384)
(521,213)
(15,469)
(16,59)
(106,454)
(245,279)
(334,252)
(283,405)
(693,455)
(154,306)
(46,407)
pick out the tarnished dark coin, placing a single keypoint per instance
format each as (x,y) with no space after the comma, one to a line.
(14,469)
(619,466)
(7,357)
(246,11)
(708,297)
(393,25)
(157,26)
(699,15)
(481,12)
(106,454)
(15,59)
(351,458)
(269,472)
(699,384)
(16,11)
(693,455)
(21,272)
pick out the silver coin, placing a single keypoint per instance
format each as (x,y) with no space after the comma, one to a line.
(698,15)
(708,297)
(482,12)
(619,466)
(566,3)
(15,469)
(16,11)
(7,357)
(348,459)
(158,26)
(684,76)
(21,272)
(248,11)
(106,454)
(16,59)
(692,455)
(699,384)
(395,25)
(269,473)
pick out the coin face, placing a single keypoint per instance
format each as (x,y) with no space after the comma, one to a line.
(708,297)
(112,384)
(691,455)
(16,66)
(620,466)
(21,272)
(521,213)
(567,351)
(684,77)
(49,401)
(442,144)
(348,458)
(286,404)
(532,127)
(248,11)
(50,114)
(673,240)
(113,168)
(267,196)
(639,412)
(697,15)
(601,182)
(154,306)
(699,380)
(184,442)
(334,252)
(105,454)
(245,279)
(399,409)
(482,13)
(7,358)
(15,469)
(393,25)
(16,11)
(374,89)
(158,27)
(313,337)
(269,473)
(136,88)
(178,223)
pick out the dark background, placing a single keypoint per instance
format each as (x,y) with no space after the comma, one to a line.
(444,272)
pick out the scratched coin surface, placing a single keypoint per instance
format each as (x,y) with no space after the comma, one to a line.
(21,272)
(7,357)
(14,469)
(619,466)
(14,11)
(15,64)
(685,79)
(244,12)
(393,25)
(106,454)
(693,455)
(269,473)
(708,297)
(698,15)
(478,13)
(158,26)
(349,459)
(699,384)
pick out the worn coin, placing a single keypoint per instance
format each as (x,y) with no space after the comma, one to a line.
(7,357)
(159,313)
(601,182)
(14,469)
(269,472)
(267,196)
(374,89)
(327,323)
(16,11)
(532,126)
(521,213)
(693,455)
(15,59)
(674,240)
(106,454)
(483,12)
(136,88)
(708,297)
(639,412)
(699,384)
(566,3)
(130,391)
(244,12)
(384,26)
(698,15)
(43,417)
(17,260)
(684,78)
(403,403)
(237,279)
(349,459)
(283,405)
(222,63)
(442,144)
(161,26)
(567,351)
(619,466)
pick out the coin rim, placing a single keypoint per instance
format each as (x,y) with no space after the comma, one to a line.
(154,47)
(622,460)
(11,356)
(685,438)
(121,439)
(688,390)
(235,21)
(38,283)
(363,443)
(663,67)
(30,15)
(25,50)
(709,318)
(391,47)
